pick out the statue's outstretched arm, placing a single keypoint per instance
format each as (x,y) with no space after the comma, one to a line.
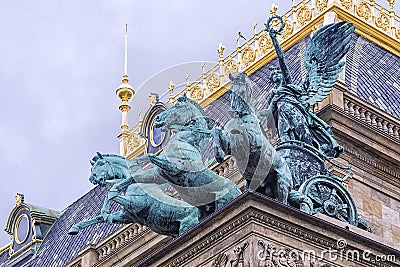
(287,78)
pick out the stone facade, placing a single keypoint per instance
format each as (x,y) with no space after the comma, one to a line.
(255,231)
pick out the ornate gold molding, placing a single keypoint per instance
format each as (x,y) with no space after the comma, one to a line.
(372,21)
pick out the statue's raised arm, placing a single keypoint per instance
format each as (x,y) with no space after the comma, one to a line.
(290,103)
(287,78)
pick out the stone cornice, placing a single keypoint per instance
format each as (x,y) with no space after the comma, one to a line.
(251,207)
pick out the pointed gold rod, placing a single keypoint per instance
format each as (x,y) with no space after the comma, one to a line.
(126,51)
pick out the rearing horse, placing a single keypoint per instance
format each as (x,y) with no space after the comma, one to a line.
(145,204)
(262,167)
(180,163)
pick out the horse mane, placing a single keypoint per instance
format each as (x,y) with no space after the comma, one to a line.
(118,164)
(194,103)
(96,157)
(247,79)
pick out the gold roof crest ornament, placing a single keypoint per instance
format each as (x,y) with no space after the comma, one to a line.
(19,199)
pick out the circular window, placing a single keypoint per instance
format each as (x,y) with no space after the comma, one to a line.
(22,229)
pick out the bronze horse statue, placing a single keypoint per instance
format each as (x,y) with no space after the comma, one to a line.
(263,168)
(145,204)
(180,163)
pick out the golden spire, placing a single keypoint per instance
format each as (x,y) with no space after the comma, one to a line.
(126,52)
(125,91)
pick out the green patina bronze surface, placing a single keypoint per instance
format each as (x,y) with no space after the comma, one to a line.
(294,172)
(264,170)
(306,140)
(145,204)
(181,165)
(290,103)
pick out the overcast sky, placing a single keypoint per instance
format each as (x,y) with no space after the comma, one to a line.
(60,63)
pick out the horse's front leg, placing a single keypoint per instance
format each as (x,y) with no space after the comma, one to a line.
(137,163)
(150,176)
(81,225)
(105,210)
(221,142)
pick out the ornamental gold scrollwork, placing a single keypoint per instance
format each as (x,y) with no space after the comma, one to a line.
(397,32)
(213,82)
(303,15)
(321,5)
(231,66)
(288,30)
(391,3)
(346,4)
(248,56)
(364,11)
(265,43)
(133,142)
(196,93)
(382,22)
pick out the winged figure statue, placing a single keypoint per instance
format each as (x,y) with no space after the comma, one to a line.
(290,103)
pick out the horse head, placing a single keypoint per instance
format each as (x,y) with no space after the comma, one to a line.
(241,94)
(107,167)
(186,112)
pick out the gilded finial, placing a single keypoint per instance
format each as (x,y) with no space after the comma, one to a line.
(171,88)
(19,199)
(255,27)
(391,4)
(203,74)
(220,50)
(187,87)
(153,98)
(273,10)
(240,36)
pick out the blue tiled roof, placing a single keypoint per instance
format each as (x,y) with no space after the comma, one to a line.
(3,258)
(58,248)
(373,73)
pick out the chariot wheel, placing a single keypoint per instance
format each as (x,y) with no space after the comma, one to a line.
(331,198)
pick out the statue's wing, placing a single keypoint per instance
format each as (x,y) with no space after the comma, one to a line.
(322,60)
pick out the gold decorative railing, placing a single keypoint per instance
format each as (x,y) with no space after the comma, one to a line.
(259,45)
(295,19)
(375,14)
